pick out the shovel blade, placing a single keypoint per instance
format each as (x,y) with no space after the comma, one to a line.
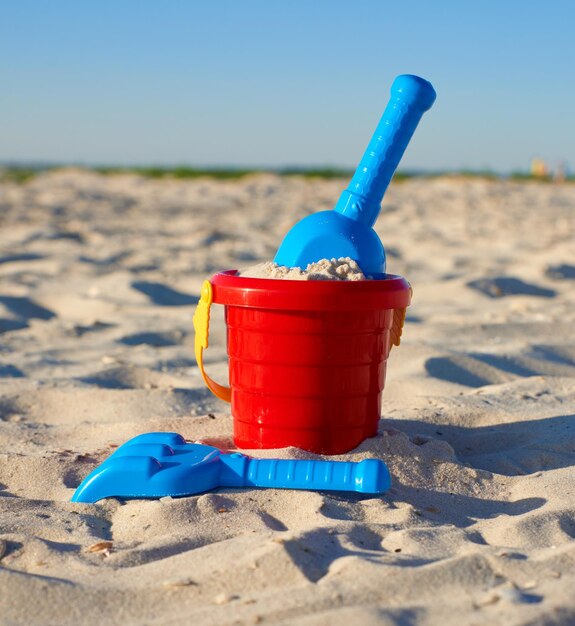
(331,235)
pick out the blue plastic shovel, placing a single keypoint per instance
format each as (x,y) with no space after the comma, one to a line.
(347,230)
(155,465)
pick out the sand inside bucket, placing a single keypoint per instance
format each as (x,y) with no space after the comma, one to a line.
(325,269)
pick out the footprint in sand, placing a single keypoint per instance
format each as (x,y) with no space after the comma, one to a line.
(123,377)
(163,295)
(10,371)
(502,286)
(561,272)
(26,308)
(23,256)
(20,310)
(477,369)
(157,340)
(514,448)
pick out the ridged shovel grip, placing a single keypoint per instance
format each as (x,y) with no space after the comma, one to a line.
(368,476)
(411,96)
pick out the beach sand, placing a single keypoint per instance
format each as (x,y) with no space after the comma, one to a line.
(99,277)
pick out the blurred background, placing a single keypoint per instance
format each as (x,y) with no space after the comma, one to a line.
(270,85)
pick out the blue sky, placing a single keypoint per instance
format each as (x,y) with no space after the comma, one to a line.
(270,83)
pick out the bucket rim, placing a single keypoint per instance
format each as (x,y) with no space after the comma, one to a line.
(390,292)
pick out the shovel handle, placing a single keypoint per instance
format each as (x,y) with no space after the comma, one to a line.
(411,96)
(367,476)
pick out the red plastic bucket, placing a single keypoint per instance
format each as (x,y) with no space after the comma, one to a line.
(307,359)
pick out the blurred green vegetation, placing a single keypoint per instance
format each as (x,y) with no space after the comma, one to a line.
(487,174)
(16,174)
(521,176)
(180,172)
(316,172)
(22,174)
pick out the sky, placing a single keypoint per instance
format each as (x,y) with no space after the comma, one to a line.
(254,83)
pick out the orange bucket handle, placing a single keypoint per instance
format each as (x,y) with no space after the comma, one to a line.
(397,324)
(397,327)
(202,330)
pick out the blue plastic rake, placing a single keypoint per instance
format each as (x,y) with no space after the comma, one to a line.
(155,465)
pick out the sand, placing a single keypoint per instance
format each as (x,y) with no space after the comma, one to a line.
(340,269)
(99,277)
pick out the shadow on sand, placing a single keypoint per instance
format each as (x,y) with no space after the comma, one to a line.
(511,449)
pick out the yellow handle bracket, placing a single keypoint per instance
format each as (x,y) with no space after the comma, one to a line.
(202,330)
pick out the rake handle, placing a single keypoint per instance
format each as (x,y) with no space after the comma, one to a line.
(368,476)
